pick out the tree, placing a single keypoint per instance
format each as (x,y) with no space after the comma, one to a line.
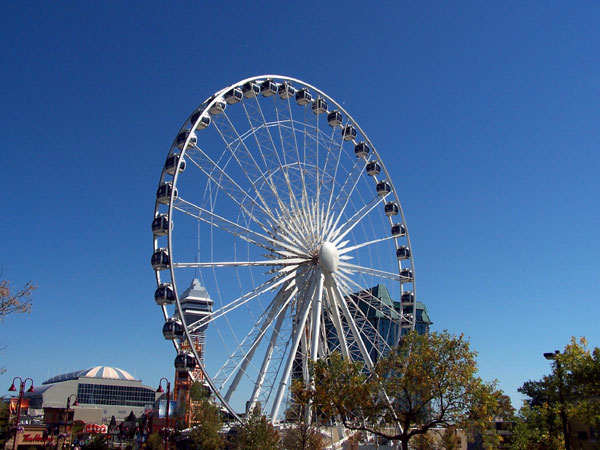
(206,434)
(14,302)
(575,374)
(427,381)
(5,428)
(302,434)
(257,433)
(154,442)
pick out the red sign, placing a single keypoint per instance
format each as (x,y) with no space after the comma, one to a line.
(37,437)
(14,404)
(93,428)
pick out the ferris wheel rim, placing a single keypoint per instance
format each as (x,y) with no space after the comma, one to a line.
(205,107)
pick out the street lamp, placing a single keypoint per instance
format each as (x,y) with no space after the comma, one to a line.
(160,390)
(553,356)
(75,403)
(13,388)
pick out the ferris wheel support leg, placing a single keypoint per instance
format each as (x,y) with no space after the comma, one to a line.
(298,331)
(316,319)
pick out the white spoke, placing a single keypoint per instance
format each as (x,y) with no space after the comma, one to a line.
(269,262)
(350,268)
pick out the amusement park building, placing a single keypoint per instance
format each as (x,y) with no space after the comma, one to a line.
(107,391)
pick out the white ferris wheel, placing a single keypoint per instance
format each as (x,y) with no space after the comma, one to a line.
(276,204)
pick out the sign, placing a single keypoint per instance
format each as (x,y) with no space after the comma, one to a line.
(162,409)
(95,429)
(35,438)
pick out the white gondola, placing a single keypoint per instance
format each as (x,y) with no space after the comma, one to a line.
(319,106)
(402,253)
(361,150)
(185,362)
(406,321)
(172,329)
(398,230)
(373,168)
(286,90)
(200,121)
(172,163)
(383,188)
(407,275)
(408,298)
(160,225)
(250,89)
(391,209)
(303,97)
(349,133)
(183,137)
(164,294)
(268,88)
(160,259)
(233,96)
(334,118)
(163,193)
(217,107)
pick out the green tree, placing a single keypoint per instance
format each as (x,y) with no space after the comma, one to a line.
(206,434)
(154,442)
(427,381)
(257,433)
(4,422)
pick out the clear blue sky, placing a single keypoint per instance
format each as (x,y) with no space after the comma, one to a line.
(487,114)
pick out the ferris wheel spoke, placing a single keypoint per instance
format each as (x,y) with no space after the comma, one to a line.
(296,336)
(364,244)
(352,268)
(335,317)
(267,242)
(224,182)
(226,309)
(269,353)
(276,310)
(268,262)
(243,156)
(341,232)
(351,324)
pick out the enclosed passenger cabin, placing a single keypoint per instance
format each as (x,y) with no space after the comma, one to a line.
(403,252)
(349,133)
(183,137)
(286,90)
(319,106)
(199,120)
(373,168)
(250,89)
(334,118)
(172,329)
(160,259)
(185,362)
(163,193)
(303,97)
(406,321)
(361,150)
(172,162)
(268,88)
(164,294)
(160,225)
(407,275)
(408,298)
(218,106)
(383,188)
(391,209)
(398,230)
(233,96)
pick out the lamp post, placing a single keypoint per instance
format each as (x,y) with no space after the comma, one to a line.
(13,388)
(67,418)
(160,390)
(553,356)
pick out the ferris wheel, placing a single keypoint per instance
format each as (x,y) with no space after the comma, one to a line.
(276,210)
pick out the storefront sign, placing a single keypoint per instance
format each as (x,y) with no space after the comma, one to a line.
(93,428)
(35,438)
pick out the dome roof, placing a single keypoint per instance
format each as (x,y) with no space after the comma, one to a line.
(104,372)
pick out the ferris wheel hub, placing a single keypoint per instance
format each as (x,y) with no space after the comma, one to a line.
(329,257)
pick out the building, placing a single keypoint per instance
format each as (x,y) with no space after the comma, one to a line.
(101,392)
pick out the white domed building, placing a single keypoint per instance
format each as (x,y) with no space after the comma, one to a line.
(108,391)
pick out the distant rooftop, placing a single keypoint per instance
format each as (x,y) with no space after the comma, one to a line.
(103,372)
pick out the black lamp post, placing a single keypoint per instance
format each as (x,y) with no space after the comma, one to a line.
(13,388)
(160,390)
(553,356)
(67,414)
